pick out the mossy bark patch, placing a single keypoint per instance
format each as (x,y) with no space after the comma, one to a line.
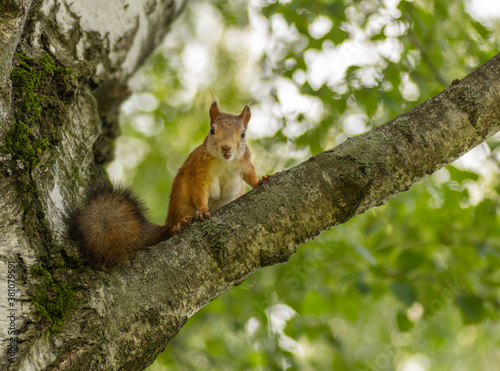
(53,298)
(40,91)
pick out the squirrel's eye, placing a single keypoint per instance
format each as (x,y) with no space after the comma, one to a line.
(212,130)
(243,134)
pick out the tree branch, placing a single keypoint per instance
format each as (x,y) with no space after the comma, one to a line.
(129,314)
(126,316)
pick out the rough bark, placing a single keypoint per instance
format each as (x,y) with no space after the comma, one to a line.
(68,64)
(123,318)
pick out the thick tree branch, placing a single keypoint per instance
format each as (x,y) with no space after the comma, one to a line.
(129,314)
(126,316)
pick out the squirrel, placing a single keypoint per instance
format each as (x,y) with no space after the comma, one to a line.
(111,227)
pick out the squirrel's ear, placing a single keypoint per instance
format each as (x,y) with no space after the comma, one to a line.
(214,112)
(245,116)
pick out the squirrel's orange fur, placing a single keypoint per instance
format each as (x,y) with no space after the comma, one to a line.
(111,227)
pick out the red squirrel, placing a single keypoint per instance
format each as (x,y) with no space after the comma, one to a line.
(112,225)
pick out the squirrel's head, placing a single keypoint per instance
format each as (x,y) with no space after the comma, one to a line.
(226,138)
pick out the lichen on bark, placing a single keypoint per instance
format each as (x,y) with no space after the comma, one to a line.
(40,90)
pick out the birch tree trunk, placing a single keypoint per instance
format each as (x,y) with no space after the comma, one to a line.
(58,112)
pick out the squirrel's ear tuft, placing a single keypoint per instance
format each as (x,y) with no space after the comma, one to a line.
(245,116)
(214,112)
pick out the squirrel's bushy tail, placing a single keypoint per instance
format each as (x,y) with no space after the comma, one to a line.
(112,226)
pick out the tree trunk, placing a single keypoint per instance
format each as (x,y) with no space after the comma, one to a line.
(70,75)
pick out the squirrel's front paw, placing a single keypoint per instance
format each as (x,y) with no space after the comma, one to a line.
(265,178)
(202,215)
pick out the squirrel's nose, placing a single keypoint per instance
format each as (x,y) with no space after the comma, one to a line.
(225,147)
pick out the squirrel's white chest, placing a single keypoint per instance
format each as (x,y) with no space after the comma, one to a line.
(226,184)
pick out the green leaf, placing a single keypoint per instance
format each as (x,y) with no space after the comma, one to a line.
(461,175)
(271,9)
(363,287)
(378,37)
(350,71)
(404,324)
(472,308)
(368,98)
(409,260)
(404,291)
(307,89)
(336,35)
(483,31)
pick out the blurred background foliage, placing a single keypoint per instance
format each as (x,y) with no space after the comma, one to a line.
(410,286)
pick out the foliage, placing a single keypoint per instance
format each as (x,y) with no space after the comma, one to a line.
(410,285)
